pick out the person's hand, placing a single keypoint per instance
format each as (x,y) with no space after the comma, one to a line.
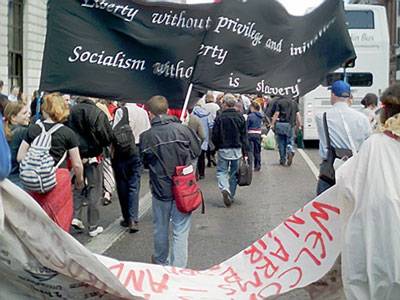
(79,184)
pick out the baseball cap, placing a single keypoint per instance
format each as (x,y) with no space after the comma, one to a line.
(341,89)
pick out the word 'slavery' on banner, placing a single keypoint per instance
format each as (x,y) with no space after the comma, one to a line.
(122,49)
(38,260)
(129,50)
(263,49)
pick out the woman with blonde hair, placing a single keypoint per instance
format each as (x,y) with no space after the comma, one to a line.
(58,202)
(369,186)
(16,121)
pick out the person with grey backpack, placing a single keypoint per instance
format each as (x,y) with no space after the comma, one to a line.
(43,166)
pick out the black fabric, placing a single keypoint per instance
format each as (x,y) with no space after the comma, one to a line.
(91,125)
(295,110)
(18,134)
(3,103)
(175,144)
(230,131)
(123,138)
(62,140)
(245,173)
(249,47)
(285,108)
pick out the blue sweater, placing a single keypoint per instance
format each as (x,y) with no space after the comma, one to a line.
(254,121)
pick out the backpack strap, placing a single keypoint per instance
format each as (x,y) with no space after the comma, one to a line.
(55,128)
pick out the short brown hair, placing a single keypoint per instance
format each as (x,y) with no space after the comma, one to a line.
(157,105)
(54,105)
(255,105)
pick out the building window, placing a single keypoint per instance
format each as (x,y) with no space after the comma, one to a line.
(15,41)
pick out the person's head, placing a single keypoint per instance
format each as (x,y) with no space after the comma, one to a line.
(55,108)
(210,98)
(370,100)
(157,106)
(340,92)
(254,107)
(15,113)
(15,90)
(391,102)
(229,101)
(1,85)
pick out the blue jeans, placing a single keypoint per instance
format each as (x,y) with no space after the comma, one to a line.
(165,212)
(227,174)
(284,133)
(127,179)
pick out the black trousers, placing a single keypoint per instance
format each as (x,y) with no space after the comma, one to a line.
(201,163)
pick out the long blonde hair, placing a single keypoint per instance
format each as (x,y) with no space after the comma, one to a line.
(12,109)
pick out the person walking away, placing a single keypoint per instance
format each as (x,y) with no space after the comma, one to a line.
(370,102)
(368,186)
(281,124)
(206,124)
(166,145)
(127,163)
(230,140)
(5,157)
(296,124)
(347,128)
(194,123)
(254,123)
(14,93)
(213,108)
(57,203)
(94,131)
(16,121)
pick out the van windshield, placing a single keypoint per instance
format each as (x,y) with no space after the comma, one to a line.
(360,19)
(354,79)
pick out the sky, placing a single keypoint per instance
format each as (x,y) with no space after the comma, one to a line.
(299,7)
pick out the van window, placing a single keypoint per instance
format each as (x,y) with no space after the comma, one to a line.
(354,79)
(360,19)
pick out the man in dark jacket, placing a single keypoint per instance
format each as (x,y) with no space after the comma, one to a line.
(94,131)
(166,145)
(230,139)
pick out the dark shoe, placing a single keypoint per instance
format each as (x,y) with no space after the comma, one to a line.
(133,227)
(227,198)
(124,223)
(153,260)
(106,201)
(201,177)
(214,162)
(290,158)
(282,162)
(257,169)
(209,165)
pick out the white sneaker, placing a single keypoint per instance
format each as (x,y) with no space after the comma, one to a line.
(77,224)
(96,231)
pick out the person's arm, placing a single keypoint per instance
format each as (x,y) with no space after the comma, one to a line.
(77,166)
(244,139)
(274,119)
(216,133)
(299,121)
(323,151)
(22,151)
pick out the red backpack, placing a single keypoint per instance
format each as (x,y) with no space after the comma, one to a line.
(186,190)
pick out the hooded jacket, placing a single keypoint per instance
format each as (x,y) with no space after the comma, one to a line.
(254,121)
(206,122)
(166,145)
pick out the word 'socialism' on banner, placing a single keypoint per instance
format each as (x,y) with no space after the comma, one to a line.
(131,50)
(39,260)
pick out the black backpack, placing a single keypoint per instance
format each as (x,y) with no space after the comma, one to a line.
(123,138)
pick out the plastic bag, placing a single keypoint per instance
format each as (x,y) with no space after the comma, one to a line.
(268,141)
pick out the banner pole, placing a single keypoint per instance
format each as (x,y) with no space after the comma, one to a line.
(185,105)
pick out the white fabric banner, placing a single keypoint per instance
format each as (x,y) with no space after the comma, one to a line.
(38,260)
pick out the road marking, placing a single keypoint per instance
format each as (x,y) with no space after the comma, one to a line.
(114,231)
(310,163)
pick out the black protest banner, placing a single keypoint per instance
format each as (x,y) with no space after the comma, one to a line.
(255,46)
(122,49)
(129,50)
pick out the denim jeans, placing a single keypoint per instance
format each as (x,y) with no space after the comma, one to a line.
(322,186)
(284,135)
(165,212)
(227,174)
(255,150)
(127,179)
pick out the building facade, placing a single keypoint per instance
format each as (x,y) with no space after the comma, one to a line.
(22,36)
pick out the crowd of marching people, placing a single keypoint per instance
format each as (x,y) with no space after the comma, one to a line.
(72,154)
